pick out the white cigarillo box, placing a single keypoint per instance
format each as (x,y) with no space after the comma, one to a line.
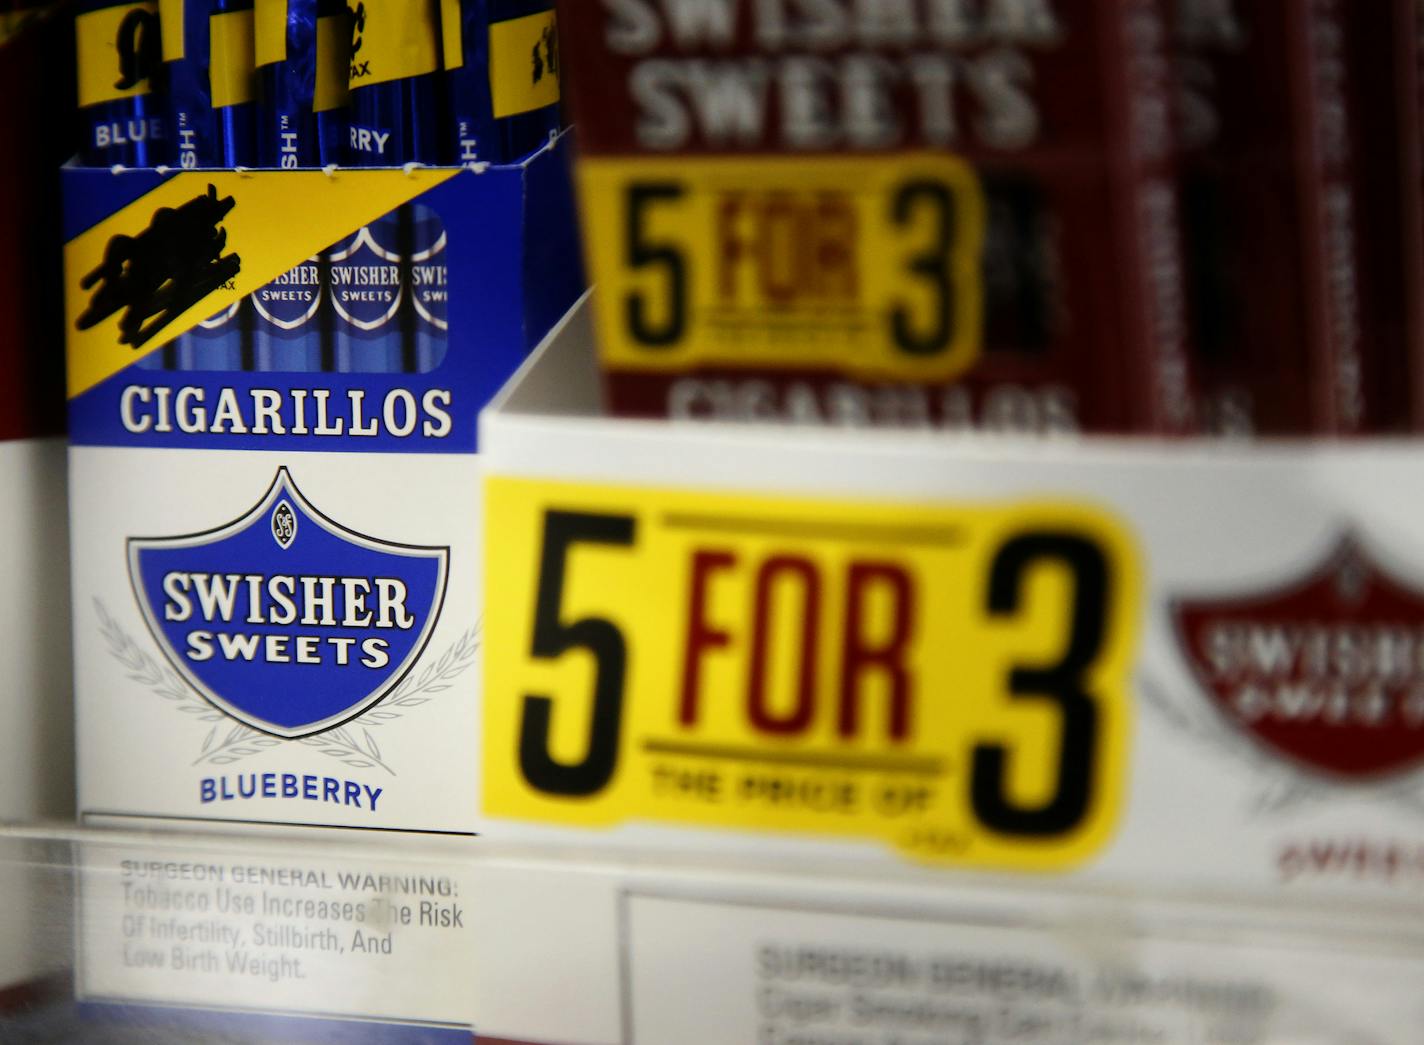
(1134,662)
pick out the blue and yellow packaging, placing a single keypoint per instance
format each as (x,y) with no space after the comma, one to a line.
(429,288)
(119,63)
(338,471)
(367,293)
(502,78)
(209,90)
(209,81)
(291,321)
(303,59)
(394,82)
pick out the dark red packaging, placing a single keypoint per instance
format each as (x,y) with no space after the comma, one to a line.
(1409,59)
(36,79)
(1300,188)
(1063,108)
(1380,168)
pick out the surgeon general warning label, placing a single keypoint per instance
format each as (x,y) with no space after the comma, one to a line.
(766,975)
(273,935)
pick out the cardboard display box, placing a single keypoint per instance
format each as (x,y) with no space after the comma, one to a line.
(1128,662)
(274,379)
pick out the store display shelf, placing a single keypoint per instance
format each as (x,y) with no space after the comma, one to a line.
(202,937)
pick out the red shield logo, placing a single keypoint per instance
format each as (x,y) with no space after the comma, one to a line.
(1327,671)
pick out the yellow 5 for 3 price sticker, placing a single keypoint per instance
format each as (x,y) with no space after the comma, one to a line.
(951,680)
(867,265)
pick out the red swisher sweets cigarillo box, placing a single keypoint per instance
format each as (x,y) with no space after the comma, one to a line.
(950,213)
(1300,168)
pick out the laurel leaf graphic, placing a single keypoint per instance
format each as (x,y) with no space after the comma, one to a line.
(455,660)
(241,741)
(148,672)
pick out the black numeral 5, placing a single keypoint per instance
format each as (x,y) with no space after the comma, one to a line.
(553,637)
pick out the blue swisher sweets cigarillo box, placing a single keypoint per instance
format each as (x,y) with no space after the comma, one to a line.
(276,530)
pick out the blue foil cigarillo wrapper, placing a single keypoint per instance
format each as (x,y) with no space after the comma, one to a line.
(188,98)
(303,63)
(429,288)
(119,67)
(302,67)
(471,136)
(208,53)
(525,74)
(287,320)
(220,342)
(502,78)
(366,296)
(232,73)
(395,83)
(210,80)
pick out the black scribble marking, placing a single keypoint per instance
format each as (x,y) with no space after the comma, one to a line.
(545,54)
(139,47)
(356,16)
(159,274)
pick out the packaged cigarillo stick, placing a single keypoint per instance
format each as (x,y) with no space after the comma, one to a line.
(302,72)
(302,62)
(210,81)
(118,61)
(502,76)
(1350,64)
(1245,244)
(1378,51)
(394,81)
(1300,176)
(210,91)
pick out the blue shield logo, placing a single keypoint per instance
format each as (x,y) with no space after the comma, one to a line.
(285,619)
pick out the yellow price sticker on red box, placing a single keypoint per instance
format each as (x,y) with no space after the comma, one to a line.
(870,266)
(951,680)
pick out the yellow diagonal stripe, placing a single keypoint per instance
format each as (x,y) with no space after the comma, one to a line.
(280,219)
